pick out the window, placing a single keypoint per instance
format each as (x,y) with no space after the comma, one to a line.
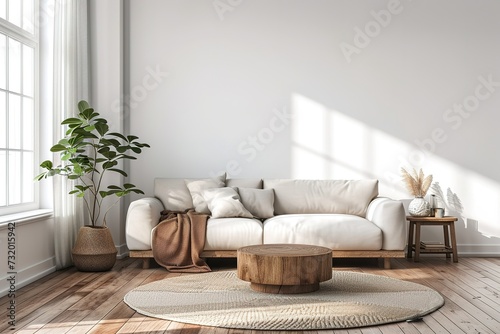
(18,105)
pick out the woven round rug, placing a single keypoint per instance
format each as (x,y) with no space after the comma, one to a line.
(220,299)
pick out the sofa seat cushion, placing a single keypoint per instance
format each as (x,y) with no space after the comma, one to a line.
(232,233)
(335,231)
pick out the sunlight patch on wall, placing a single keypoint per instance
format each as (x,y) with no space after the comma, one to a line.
(327,144)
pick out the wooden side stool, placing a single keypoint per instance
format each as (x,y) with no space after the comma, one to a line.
(448,224)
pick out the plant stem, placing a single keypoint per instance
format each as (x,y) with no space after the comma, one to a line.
(109,208)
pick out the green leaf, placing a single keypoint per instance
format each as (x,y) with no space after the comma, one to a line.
(57,148)
(136,150)
(100,120)
(47,164)
(122,149)
(81,188)
(87,113)
(89,128)
(40,176)
(131,138)
(77,140)
(128,185)
(102,128)
(113,192)
(114,142)
(93,115)
(64,142)
(82,105)
(72,120)
(66,156)
(73,177)
(109,155)
(114,187)
(109,164)
(103,193)
(78,169)
(81,195)
(137,191)
(104,149)
(118,171)
(119,135)
(73,192)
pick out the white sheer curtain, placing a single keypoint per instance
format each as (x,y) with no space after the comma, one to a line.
(71,84)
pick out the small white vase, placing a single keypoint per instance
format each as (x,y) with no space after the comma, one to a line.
(419,207)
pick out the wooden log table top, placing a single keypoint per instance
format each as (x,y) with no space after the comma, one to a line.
(284,268)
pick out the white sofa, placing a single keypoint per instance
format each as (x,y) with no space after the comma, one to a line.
(347,216)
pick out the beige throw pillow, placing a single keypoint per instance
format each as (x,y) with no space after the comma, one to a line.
(322,196)
(224,203)
(197,186)
(260,202)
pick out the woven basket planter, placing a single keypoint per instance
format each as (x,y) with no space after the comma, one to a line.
(94,249)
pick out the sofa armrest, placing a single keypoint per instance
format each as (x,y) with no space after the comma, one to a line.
(389,216)
(142,216)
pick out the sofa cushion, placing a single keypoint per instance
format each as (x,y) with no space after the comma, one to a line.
(175,196)
(335,231)
(260,202)
(197,186)
(173,193)
(225,202)
(232,233)
(322,196)
(246,183)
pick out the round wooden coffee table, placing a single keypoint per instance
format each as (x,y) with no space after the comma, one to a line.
(284,268)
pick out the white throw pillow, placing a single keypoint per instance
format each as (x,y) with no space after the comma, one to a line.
(224,203)
(260,202)
(197,186)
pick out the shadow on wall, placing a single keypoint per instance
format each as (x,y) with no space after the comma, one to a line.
(467,229)
(328,144)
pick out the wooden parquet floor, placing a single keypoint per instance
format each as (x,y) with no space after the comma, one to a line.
(69,301)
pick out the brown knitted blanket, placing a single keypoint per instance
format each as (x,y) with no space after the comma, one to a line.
(178,240)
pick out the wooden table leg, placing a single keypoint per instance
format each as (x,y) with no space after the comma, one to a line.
(446,235)
(417,241)
(409,249)
(454,242)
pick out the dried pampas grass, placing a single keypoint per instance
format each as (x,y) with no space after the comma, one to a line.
(417,183)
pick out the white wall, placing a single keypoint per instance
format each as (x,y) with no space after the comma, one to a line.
(293,89)
(32,242)
(106,44)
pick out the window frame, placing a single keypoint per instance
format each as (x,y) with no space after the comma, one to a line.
(31,40)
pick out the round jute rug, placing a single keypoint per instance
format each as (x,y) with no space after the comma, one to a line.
(220,299)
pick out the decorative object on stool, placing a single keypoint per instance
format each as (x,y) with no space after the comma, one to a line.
(417,184)
(419,207)
(88,152)
(439,213)
(94,249)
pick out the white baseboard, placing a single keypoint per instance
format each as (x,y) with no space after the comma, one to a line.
(28,275)
(122,251)
(484,250)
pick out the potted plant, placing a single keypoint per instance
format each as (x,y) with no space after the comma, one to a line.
(417,184)
(89,151)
